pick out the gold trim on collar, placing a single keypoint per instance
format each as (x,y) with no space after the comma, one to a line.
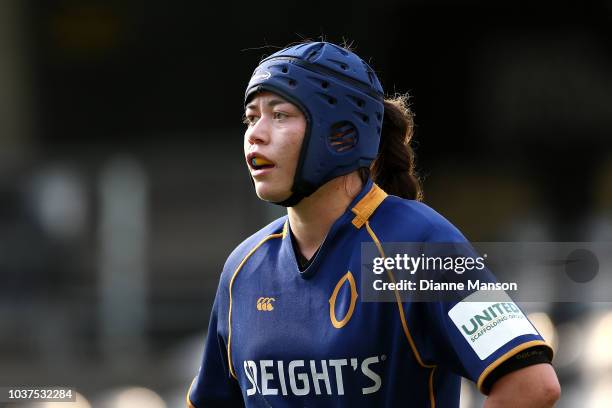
(364,209)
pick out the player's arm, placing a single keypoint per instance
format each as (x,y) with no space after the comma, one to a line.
(507,359)
(535,386)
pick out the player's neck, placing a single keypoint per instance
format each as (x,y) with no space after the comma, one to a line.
(312,218)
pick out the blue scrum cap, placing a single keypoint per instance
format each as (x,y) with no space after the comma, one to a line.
(342,100)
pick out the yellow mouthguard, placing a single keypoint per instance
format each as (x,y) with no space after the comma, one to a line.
(258,161)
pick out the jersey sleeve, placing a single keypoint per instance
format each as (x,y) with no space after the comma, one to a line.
(531,356)
(476,335)
(479,330)
(213,386)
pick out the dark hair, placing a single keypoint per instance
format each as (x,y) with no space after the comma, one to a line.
(394,167)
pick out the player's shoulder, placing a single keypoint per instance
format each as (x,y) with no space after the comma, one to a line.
(243,249)
(411,220)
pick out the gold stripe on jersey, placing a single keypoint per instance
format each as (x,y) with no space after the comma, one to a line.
(403,320)
(229,319)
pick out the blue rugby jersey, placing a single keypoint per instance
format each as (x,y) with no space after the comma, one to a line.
(279,337)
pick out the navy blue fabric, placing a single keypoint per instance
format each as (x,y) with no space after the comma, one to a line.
(293,355)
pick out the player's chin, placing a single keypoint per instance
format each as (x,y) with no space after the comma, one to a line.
(271,192)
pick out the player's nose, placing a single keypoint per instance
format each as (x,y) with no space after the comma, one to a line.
(259,133)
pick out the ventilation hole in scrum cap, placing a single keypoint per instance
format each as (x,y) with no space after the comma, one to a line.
(319,81)
(378,116)
(371,77)
(341,64)
(365,118)
(357,101)
(290,81)
(343,137)
(329,99)
(340,49)
(279,67)
(314,53)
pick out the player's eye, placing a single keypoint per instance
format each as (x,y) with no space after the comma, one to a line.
(249,120)
(280,115)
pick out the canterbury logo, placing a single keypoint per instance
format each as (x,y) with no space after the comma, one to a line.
(265,304)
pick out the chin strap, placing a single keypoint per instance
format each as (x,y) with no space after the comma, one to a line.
(299,190)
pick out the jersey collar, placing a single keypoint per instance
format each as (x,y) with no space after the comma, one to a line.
(367,204)
(357,213)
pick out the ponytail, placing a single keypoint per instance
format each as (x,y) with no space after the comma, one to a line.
(394,167)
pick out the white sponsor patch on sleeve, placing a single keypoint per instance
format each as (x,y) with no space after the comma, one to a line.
(487,325)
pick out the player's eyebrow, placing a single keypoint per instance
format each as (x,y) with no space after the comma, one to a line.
(271,103)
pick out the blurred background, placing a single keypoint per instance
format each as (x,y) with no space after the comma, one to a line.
(123,186)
